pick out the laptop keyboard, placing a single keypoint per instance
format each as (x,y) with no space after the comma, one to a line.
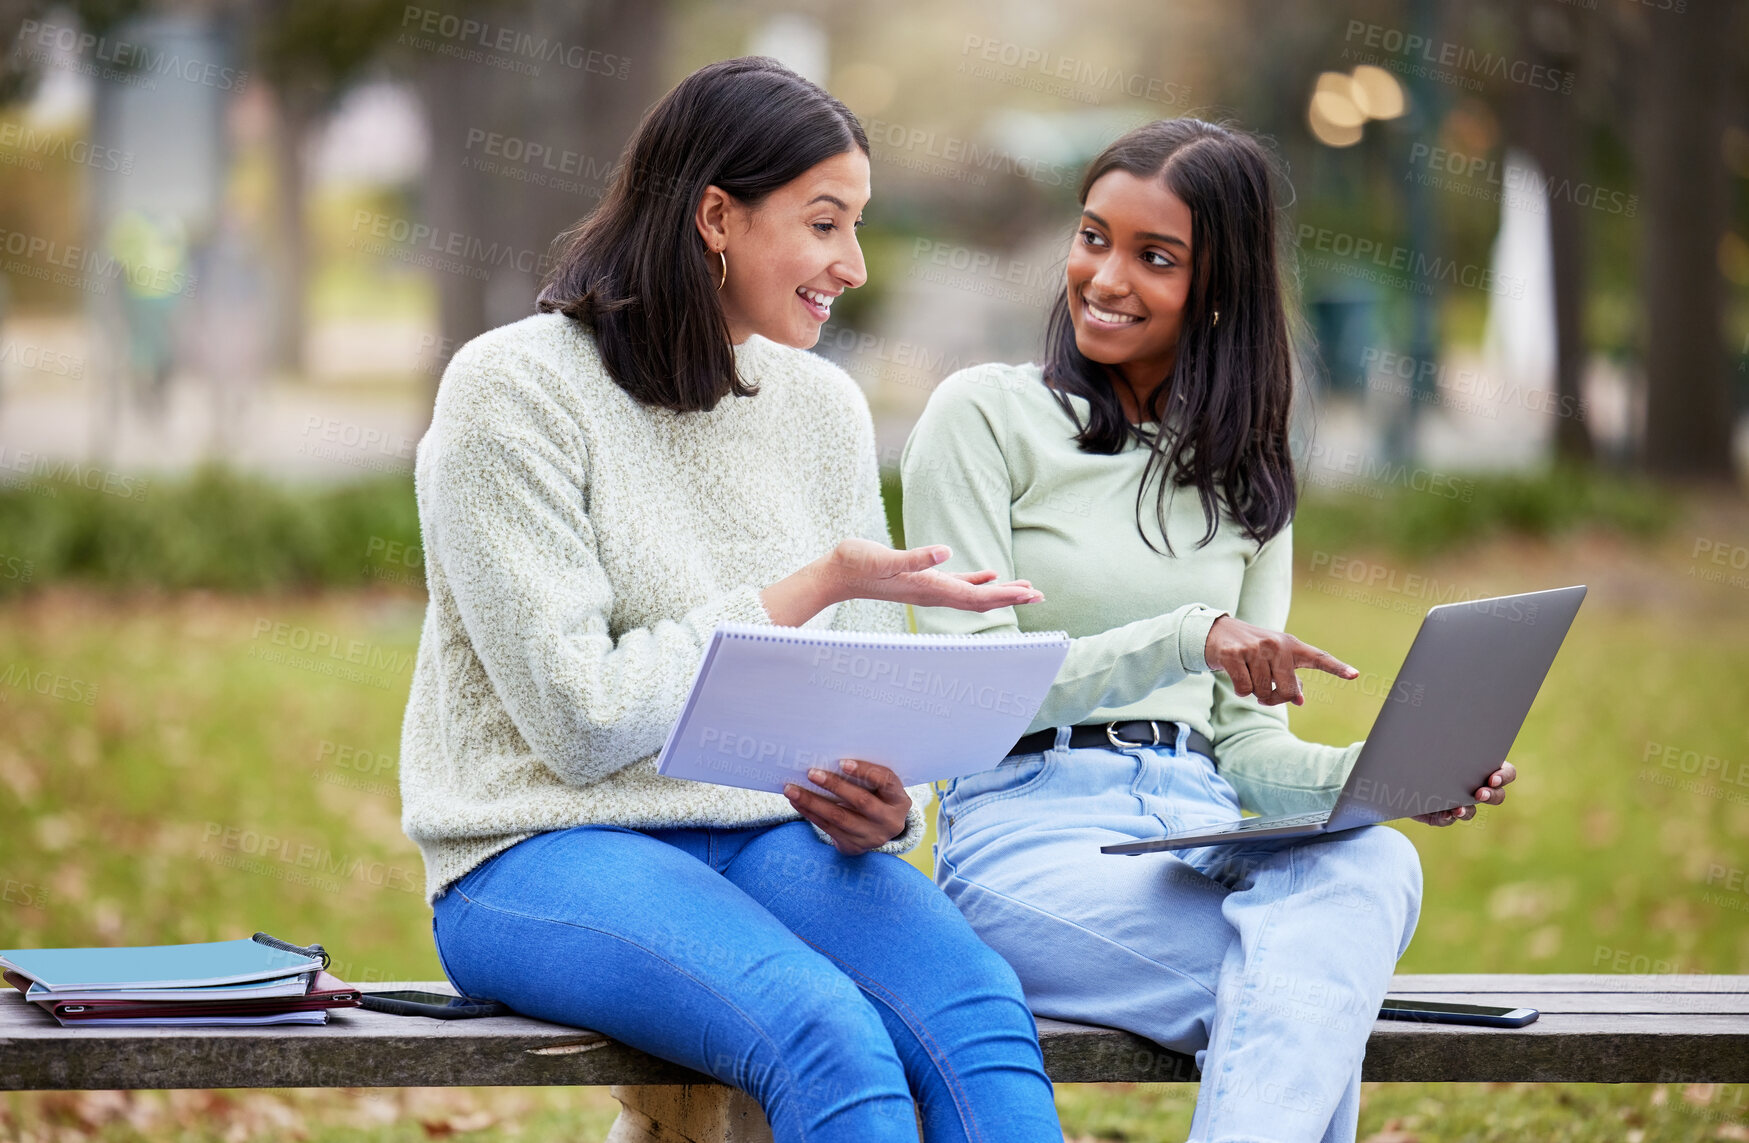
(1316,818)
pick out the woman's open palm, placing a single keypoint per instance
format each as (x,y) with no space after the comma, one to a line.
(869,570)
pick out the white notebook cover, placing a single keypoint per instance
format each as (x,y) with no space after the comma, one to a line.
(319,1016)
(769,702)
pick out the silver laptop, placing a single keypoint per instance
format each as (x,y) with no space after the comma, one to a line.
(1452,713)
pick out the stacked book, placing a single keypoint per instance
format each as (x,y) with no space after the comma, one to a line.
(261,980)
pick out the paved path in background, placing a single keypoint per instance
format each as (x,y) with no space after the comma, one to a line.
(342,427)
(301,431)
(56,404)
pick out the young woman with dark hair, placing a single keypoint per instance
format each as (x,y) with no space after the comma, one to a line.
(601,485)
(1167,373)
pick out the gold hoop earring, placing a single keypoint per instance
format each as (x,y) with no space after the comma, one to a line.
(1217,320)
(725,276)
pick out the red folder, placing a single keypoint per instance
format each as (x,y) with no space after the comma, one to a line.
(327,992)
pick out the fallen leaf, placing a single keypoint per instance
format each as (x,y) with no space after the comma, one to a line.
(458,1124)
(1393,1131)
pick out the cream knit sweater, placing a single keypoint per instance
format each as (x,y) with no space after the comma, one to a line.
(579,549)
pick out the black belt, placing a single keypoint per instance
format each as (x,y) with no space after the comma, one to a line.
(1144,732)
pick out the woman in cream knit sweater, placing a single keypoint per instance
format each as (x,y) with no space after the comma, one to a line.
(602,484)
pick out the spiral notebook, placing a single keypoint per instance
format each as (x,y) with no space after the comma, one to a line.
(245,961)
(769,702)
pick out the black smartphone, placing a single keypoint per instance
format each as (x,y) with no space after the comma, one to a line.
(441,1005)
(1439,1012)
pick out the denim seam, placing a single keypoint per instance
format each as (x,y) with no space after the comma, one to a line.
(994,796)
(1292,852)
(442,961)
(1205,774)
(777,1053)
(943,840)
(915,1024)
(1134,754)
(1138,953)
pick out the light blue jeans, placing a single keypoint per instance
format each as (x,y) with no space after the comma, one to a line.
(1267,959)
(835,990)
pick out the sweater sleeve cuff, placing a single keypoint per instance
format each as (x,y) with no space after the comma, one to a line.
(742,605)
(1193,638)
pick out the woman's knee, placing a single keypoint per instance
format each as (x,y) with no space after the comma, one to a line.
(822,1054)
(980,985)
(986,972)
(1400,859)
(1375,863)
(806,1004)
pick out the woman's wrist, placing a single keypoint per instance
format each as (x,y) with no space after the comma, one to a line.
(798,597)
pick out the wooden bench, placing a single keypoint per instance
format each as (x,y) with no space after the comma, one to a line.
(1594,1029)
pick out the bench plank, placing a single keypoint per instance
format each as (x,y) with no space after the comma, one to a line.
(1576,1048)
(1622,1003)
(1569,982)
(1595,1029)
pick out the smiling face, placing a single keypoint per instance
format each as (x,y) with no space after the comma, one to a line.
(793,254)
(1128,279)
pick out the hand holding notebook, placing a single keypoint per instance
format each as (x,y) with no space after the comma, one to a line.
(768,703)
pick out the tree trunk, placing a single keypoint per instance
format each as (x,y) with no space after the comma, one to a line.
(495,195)
(294,114)
(453,95)
(1682,172)
(1549,128)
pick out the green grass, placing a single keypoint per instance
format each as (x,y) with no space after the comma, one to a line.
(1592,852)
(208,734)
(1442,1112)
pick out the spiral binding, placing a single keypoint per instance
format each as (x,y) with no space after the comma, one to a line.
(804,635)
(316,951)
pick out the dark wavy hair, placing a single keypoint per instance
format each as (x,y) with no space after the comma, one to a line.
(635,270)
(1231,384)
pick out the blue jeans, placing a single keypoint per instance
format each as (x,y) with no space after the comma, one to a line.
(833,989)
(1266,959)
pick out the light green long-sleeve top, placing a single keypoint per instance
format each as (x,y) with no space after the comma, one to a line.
(992,470)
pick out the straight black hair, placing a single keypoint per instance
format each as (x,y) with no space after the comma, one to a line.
(1223,409)
(636,272)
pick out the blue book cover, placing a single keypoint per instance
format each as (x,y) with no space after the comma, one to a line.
(157,966)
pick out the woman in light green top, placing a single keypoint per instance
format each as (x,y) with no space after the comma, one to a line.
(1140,479)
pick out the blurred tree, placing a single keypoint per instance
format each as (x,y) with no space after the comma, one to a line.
(1427,109)
(17,73)
(1547,124)
(308,52)
(1682,173)
(581,107)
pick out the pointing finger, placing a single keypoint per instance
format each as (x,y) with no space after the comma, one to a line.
(1306,655)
